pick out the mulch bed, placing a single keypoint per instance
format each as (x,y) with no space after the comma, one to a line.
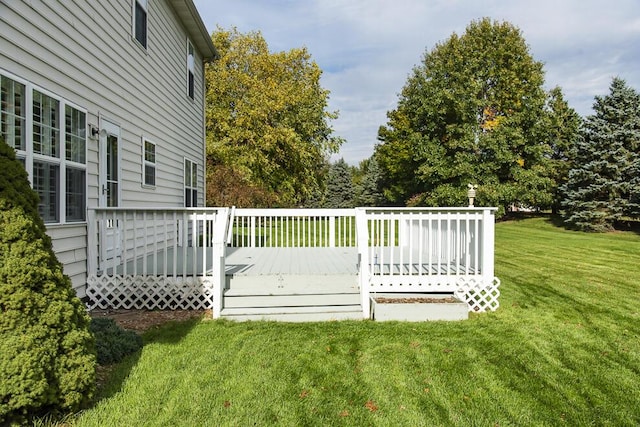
(143,320)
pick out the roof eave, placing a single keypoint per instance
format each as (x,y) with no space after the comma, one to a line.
(188,14)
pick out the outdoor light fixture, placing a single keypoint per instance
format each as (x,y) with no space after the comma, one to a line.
(95,132)
(471,193)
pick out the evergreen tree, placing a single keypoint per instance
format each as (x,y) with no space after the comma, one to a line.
(370,194)
(47,354)
(340,190)
(563,128)
(603,185)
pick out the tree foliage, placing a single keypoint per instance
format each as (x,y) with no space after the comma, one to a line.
(563,132)
(471,112)
(369,191)
(603,186)
(267,122)
(47,359)
(340,191)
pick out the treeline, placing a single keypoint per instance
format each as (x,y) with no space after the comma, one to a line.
(474,111)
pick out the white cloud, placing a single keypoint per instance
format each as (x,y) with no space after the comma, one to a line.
(367,48)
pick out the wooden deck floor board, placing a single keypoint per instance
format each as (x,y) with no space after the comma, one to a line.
(295,261)
(281,261)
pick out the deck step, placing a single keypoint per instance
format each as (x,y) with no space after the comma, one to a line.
(304,300)
(294,314)
(293,283)
(292,297)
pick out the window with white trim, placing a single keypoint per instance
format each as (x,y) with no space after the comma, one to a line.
(57,171)
(190,183)
(190,70)
(13,113)
(140,21)
(148,163)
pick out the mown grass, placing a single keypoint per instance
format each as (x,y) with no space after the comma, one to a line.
(563,349)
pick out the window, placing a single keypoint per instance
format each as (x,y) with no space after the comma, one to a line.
(149,163)
(190,70)
(46,178)
(12,113)
(190,183)
(140,21)
(57,171)
(75,194)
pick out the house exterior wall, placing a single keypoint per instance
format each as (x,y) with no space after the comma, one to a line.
(85,54)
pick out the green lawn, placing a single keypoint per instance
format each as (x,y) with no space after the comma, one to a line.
(563,349)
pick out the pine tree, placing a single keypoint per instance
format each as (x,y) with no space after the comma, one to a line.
(340,191)
(603,185)
(563,128)
(370,194)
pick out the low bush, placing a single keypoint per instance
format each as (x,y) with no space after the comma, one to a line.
(47,354)
(112,342)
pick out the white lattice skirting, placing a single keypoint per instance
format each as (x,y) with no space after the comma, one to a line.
(149,292)
(480,295)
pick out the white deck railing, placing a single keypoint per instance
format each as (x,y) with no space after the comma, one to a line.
(156,257)
(429,250)
(296,228)
(165,258)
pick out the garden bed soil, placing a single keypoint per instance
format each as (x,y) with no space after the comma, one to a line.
(420,300)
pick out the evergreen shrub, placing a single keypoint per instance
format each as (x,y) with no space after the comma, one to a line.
(47,353)
(112,342)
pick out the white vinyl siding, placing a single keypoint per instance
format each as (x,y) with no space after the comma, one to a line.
(91,58)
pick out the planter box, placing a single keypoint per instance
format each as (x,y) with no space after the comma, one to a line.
(417,307)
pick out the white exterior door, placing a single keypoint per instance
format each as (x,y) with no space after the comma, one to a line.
(109,192)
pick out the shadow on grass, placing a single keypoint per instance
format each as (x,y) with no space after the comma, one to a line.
(111,378)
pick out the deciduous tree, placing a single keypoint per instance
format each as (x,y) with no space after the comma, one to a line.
(471,112)
(267,121)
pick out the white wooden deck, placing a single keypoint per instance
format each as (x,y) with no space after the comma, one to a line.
(247,262)
(280,261)
(291,261)
(266,263)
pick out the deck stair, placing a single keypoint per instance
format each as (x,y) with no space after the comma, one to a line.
(261,285)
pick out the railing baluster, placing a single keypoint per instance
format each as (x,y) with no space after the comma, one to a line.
(174,256)
(144,243)
(125,258)
(205,245)
(134,244)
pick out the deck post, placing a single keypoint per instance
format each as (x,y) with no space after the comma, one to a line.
(218,248)
(92,243)
(488,240)
(362,236)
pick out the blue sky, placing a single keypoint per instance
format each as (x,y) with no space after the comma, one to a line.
(367,48)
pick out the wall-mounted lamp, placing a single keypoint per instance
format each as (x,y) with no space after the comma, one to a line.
(96,132)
